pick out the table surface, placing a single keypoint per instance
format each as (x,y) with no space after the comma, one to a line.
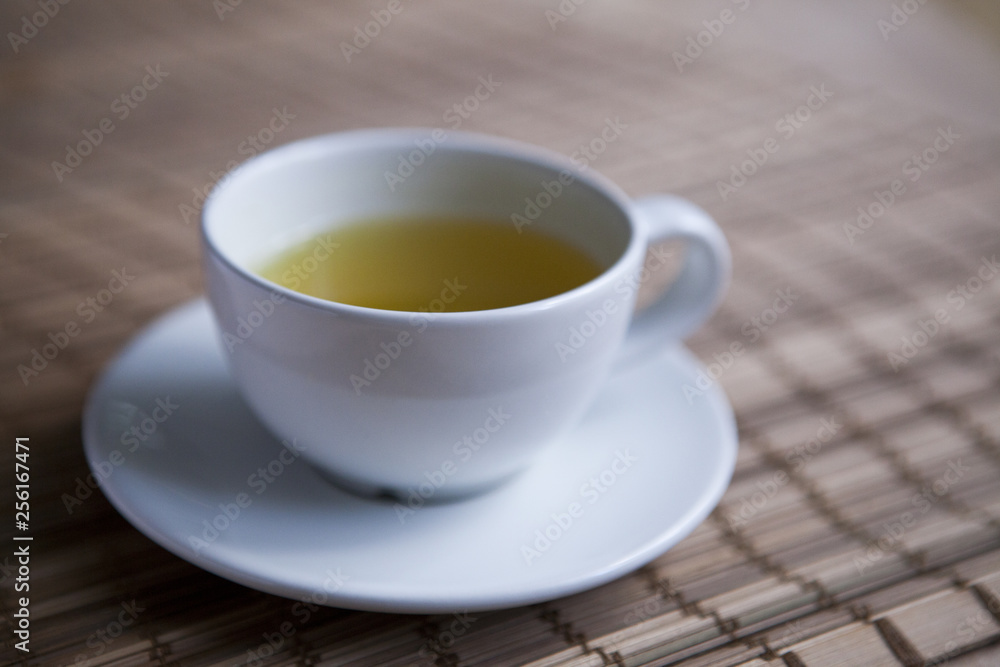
(876,541)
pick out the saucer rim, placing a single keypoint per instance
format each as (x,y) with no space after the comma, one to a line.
(707,498)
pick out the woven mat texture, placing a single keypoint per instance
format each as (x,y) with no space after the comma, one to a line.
(857,409)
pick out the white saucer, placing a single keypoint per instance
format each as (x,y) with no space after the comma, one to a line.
(301,537)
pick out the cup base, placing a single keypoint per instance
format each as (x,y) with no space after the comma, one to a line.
(412,497)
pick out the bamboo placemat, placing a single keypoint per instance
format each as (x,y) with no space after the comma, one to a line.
(862,525)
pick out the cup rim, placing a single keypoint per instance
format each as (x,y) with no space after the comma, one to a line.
(455,140)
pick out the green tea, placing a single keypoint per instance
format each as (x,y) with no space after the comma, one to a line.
(431,265)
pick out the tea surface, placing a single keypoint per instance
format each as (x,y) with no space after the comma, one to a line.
(425,264)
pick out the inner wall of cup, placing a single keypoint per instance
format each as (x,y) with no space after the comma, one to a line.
(286,198)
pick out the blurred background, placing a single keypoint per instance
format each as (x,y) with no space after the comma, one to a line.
(118,117)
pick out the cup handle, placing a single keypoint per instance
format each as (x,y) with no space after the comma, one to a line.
(698,287)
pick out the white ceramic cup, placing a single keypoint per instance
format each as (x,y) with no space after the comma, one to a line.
(439,404)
